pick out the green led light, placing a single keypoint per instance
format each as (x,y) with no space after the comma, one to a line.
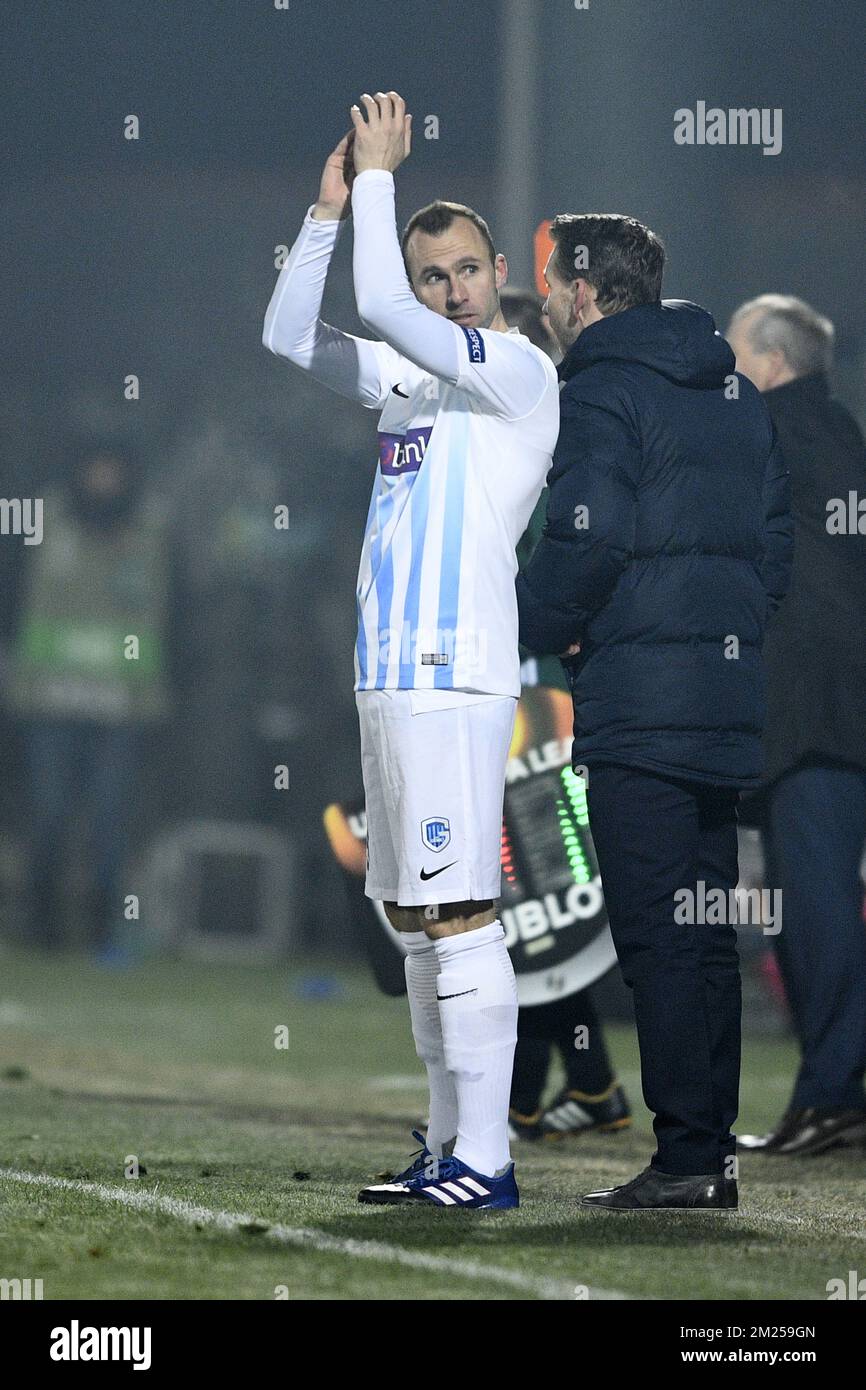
(575,788)
(569,816)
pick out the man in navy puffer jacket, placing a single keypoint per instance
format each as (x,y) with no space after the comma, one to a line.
(667,546)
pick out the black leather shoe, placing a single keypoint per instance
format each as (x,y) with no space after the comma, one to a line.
(654,1190)
(809,1131)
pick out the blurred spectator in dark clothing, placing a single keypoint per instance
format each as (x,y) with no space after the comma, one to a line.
(814,817)
(88,674)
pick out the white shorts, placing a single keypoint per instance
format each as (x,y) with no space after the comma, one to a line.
(434,780)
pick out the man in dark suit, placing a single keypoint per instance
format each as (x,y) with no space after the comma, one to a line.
(666,544)
(814,817)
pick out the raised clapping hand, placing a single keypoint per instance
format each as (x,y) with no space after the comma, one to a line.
(384,138)
(335,189)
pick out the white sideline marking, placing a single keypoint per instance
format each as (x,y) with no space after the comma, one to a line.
(310,1237)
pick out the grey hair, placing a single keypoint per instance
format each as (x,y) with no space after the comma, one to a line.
(782,321)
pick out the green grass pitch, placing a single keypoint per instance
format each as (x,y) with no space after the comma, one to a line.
(254,1155)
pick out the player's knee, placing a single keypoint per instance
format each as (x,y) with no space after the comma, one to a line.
(447,919)
(403,918)
(442,919)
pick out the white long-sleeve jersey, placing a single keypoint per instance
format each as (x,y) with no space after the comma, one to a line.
(467,426)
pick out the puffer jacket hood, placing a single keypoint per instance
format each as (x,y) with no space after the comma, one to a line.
(676,338)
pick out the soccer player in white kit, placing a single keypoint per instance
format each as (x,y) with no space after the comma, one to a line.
(468,419)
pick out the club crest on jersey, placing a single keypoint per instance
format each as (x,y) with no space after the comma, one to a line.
(436,833)
(475,344)
(403,453)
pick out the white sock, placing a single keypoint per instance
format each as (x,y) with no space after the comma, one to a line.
(477,996)
(422,968)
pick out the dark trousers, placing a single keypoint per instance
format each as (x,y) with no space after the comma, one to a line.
(656,835)
(74,767)
(817,826)
(554,1024)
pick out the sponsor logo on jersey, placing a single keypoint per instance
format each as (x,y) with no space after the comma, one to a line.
(403,453)
(436,832)
(475,344)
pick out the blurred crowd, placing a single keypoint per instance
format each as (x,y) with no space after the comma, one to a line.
(183,628)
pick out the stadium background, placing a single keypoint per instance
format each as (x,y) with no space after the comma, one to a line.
(156,256)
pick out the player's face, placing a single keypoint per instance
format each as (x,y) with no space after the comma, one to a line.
(559,306)
(453,274)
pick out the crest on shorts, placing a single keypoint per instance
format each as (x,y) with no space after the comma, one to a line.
(436,833)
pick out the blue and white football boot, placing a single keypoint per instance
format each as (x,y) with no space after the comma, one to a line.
(445,1182)
(419,1160)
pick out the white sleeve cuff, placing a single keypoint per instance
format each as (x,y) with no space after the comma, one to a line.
(330,223)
